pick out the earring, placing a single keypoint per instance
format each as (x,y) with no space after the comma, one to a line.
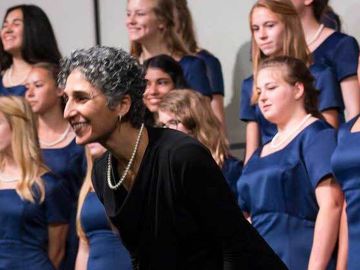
(119,118)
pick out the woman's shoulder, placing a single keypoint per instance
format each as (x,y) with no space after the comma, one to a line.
(247,83)
(207,56)
(318,132)
(191,61)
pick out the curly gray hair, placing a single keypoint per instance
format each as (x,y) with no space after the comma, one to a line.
(114,72)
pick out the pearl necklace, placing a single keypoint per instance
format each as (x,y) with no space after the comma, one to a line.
(131,160)
(9,77)
(274,144)
(60,139)
(316,35)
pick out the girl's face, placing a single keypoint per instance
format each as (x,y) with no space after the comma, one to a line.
(277,98)
(5,134)
(42,92)
(158,83)
(267,31)
(12,32)
(141,20)
(169,120)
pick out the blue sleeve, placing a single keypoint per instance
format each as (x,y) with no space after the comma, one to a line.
(317,155)
(214,72)
(243,196)
(57,200)
(346,58)
(195,75)
(330,93)
(247,110)
(232,170)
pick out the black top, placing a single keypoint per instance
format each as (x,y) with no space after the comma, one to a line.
(180,212)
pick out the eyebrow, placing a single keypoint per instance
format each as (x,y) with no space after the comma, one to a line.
(14,20)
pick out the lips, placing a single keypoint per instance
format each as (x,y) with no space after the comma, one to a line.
(265,107)
(79,127)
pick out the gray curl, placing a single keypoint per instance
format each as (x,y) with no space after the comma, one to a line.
(114,72)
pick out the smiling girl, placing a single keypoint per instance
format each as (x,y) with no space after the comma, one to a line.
(20,47)
(151,29)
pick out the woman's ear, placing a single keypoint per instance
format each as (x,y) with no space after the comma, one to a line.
(124,105)
(59,92)
(161,27)
(299,90)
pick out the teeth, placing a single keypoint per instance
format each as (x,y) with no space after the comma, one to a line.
(77,126)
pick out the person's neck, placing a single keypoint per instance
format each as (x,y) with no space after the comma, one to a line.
(309,23)
(153,48)
(52,120)
(19,65)
(288,126)
(10,166)
(122,141)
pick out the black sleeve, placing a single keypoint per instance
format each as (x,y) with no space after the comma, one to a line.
(207,190)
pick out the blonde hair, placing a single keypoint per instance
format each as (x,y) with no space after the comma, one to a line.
(85,189)
(163,10)
(25,147)
(185,27)
(194,111)
(294,43)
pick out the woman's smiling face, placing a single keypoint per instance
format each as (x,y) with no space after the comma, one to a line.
(87,110)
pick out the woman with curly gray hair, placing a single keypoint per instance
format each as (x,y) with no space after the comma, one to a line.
(161,188)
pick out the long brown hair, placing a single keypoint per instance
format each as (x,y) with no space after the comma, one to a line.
(25,147)
(294,43)
(295,71)
(185,27)
(193,110)
(163,10)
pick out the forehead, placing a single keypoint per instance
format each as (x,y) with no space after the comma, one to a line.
(76,82)
(270,75)
(140,4)
(39,71)
(154,73)
(262,14)
(15,14)
(165,116)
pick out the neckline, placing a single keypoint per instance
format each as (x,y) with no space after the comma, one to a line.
(325,41)
(352,123)
(259,154)
(60,148)
(10,87)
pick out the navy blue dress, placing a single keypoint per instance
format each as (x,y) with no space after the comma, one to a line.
(329,98)
(18,90)
(213,71)
(278,191)
(69,163)
(340,52)
(346,167)
(231,170)
(106,250)
(195,74)
(24,226)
